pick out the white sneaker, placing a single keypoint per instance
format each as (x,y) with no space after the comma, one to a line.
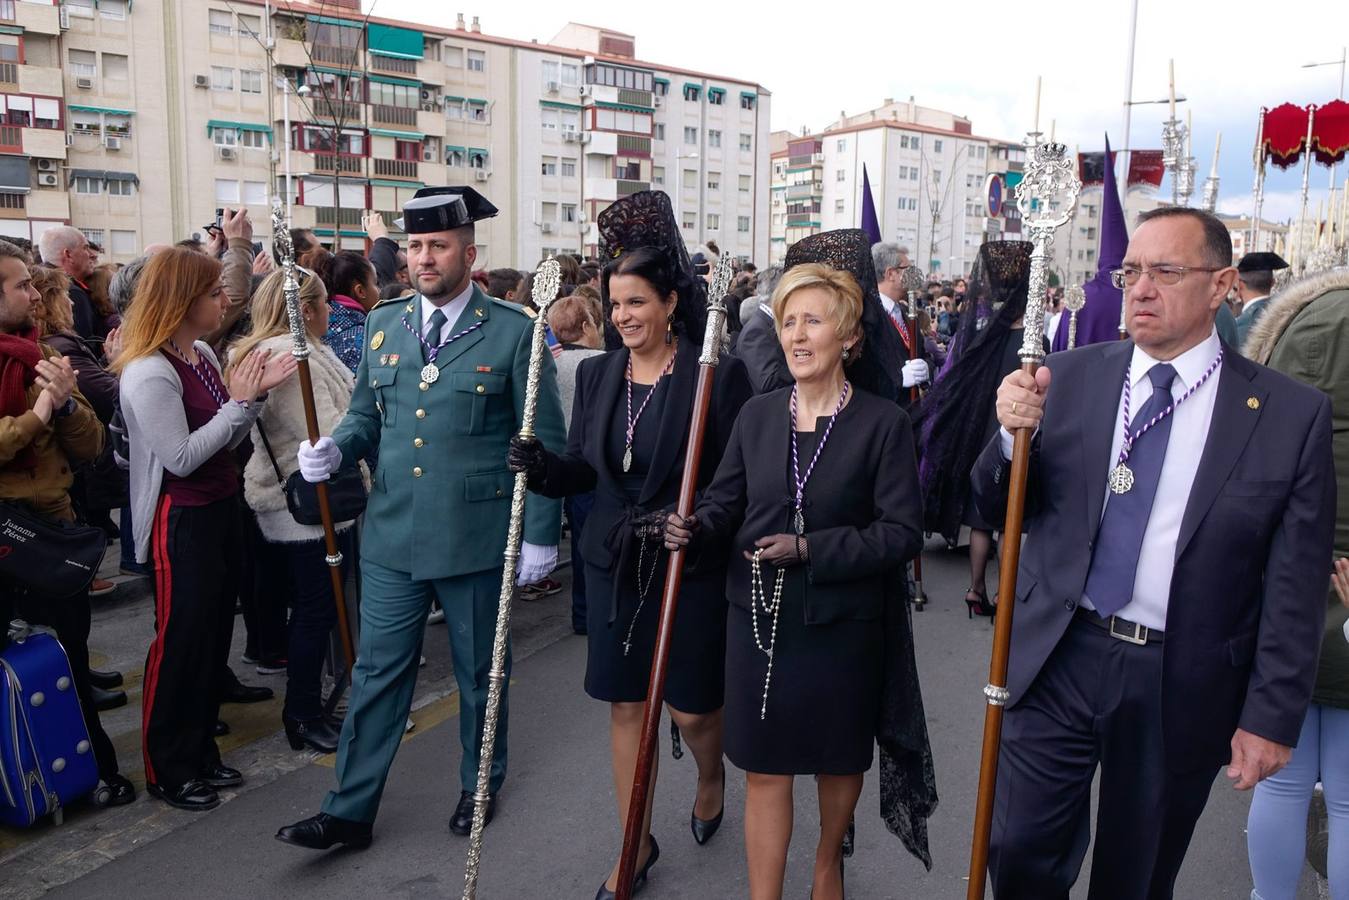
(437,616)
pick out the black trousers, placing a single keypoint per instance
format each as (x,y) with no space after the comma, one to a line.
(308,579)
(70,618)
(262,595)
(197,552)
(1097,701)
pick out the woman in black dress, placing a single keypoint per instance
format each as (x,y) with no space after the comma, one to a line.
(957,419)
(629,426)
(817,495)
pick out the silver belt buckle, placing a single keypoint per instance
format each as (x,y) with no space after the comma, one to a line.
(1140,632)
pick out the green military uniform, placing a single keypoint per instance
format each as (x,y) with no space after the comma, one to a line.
(436,522)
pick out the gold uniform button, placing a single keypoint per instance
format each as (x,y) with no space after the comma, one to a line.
(416,471)
(423,385)
(481,389)
(418,442)
(421,414)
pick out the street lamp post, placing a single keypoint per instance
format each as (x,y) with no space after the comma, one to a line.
(679,182)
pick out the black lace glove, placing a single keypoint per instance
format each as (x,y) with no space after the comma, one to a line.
(650,526)
(527,455)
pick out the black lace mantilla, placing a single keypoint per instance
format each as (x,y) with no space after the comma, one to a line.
(643,219)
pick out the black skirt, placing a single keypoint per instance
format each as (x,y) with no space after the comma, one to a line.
(824,696)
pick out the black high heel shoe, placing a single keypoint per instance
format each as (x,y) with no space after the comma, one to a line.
(638,880)
(976,604)
(317,734)
(703,829)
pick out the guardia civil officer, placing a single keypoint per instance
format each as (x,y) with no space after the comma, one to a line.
(439,391)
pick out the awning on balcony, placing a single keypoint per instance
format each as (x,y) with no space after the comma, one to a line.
(717,92)
(123,176)
(401,135)
(386,79)
(378,182)
(388,40)
(625,107)
(329,20)
(450,147)
(235,126)
(553,104)
(10,29)
(108,111)
(95,174)
(748,94)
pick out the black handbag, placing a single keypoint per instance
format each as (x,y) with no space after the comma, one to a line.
(346,491)
(55,559)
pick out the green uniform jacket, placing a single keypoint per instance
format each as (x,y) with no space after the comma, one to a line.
(441,496)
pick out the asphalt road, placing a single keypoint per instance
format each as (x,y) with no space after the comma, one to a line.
(556,832)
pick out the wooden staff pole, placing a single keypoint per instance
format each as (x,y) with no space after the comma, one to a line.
(1050,176)
(674,577)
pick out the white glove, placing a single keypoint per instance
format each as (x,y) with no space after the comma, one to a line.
(915,372)
(319,461)
(535,563)
(1346,629)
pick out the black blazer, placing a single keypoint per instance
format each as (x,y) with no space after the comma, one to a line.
(1247,600)
(606,539)
(863,517)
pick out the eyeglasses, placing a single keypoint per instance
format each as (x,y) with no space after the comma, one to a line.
(1167,276)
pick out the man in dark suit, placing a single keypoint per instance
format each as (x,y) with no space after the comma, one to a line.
(1171,594)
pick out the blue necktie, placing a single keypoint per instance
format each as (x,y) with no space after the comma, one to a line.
(434,326)
(1114,565)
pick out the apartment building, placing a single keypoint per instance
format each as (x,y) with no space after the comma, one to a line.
(136,124)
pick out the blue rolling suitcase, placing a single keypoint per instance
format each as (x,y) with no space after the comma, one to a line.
(46,760)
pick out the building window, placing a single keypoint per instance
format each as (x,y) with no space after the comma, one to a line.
(254,140)
(842,145)
(980,151)
(690,178)
(840,175)
(658,175)
(454,157)
(454,56)
(549,213)
(746,101)
(713,222)
(569,212)
(83,63)
(119,188)
(222,79)
(713,138)
(716,96)
(407,151)
(742,224)
(568,168)
(93,235)
(477,61)
(224,137)
(936,146)
(838,205)
(658,131)
(477,159)
(913,204)
(744,184)
(112,9)
(903,173)
(913,173)
(249,26)
(549,166)
(746,143)
(221,22)
(552,78)
(123,243)
(714,181)
(660,88)
(86,185)
(477,112)
(82,8)
(226,191)
(571,74)
(691,92)
(689,221)
(549,119)
(690,135)
(250,81)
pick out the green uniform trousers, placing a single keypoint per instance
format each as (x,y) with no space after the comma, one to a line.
(393,618)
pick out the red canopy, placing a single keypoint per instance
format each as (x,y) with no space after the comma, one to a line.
(1330,132)
(1285,134)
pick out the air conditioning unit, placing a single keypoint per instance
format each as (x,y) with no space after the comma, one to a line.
(585,90)
(84,84)
(585,137)
(47,165)
(480,175)
(201,81)
(429,107)
(70,139)
(112,143)
(658,101)
(552,87)
(427,95)
(571,137)
(546,227)
(226,152)
(428,155)
(48,179)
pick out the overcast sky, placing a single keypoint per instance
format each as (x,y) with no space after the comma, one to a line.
(980,59)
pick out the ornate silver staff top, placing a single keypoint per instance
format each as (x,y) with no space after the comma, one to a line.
(716,310)
(285,252)
(547,282)
(1047,198)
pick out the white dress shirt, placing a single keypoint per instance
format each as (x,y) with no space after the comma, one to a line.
(1189,432)
(453,310)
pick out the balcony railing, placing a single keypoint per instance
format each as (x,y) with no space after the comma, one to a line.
(636,98)
(393,64)
(336,110)
(633,145)
(325,163)
(626,187)
(9,73)
(393,115)
(803,191)
(396,168)
(324,215)
(390,217)
(342,56)
(11,138)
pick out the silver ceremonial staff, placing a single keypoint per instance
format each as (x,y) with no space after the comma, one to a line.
(913,283)
(1074,300)
(285,252)
(1047,198)
(546,283)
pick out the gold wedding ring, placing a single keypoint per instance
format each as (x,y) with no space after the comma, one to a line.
(1013,407)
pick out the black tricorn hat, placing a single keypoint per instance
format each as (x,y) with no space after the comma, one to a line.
(1261,262)
(444,208)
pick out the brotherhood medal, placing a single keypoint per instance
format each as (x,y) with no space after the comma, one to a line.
(1121,479)
(430,374)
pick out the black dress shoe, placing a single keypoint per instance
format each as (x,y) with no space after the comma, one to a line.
(195,796)
(106,700)
(222,776)
(323,831)
(703,829)
(220,729)
(317,734)
(638,880)
(114,790)
(105,680)
(244,693)
(461,823)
